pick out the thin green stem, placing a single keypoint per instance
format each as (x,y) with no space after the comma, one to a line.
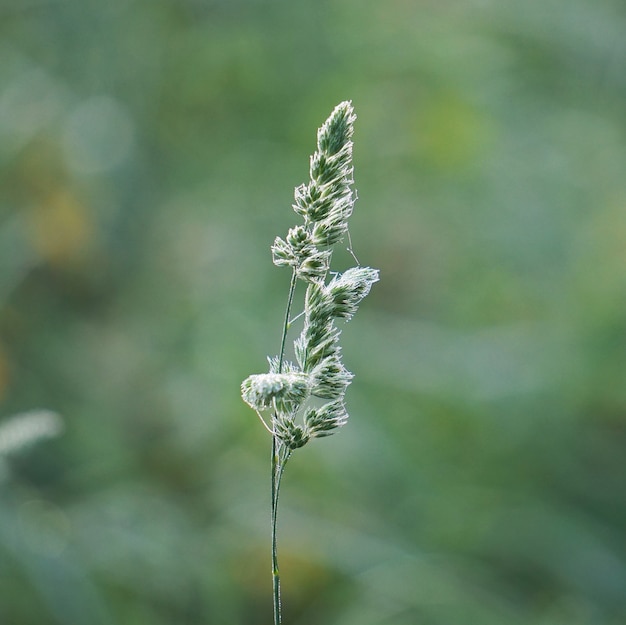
(279,460)
(283,340)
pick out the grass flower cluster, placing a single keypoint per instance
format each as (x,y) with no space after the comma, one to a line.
(304,399)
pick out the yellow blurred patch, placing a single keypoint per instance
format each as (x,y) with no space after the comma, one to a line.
(61,229)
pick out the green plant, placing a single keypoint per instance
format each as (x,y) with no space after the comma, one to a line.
(301,400)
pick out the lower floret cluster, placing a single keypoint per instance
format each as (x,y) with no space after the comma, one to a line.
(319,372)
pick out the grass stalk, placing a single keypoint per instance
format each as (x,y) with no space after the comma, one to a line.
(278,464)
(305,398)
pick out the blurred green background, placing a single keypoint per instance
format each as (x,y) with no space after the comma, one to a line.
(148,155)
